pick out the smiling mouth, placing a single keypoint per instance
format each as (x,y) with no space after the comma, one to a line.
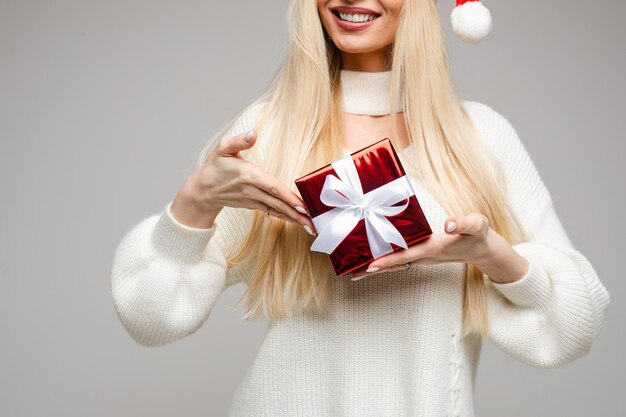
(355,18)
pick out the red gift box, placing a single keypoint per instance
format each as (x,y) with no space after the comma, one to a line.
(363,207)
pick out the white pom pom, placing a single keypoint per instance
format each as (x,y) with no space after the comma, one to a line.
(471,21)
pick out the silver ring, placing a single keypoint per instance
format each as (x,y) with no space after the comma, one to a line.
(407,266)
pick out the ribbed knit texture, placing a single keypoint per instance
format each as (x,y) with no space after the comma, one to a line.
(367,92)
(390,344)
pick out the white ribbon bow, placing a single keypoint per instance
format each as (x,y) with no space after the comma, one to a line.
(335,225)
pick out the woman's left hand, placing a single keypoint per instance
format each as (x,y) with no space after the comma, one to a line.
(468,239)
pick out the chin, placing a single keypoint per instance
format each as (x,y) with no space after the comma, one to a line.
(358,47)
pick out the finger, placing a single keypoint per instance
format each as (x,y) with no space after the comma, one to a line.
(362,275)
(279,206)
(471,224)
(427,247)
(274,187)
(233,144)
(392,268)
(254,204)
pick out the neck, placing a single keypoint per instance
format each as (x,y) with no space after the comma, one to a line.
(366,92)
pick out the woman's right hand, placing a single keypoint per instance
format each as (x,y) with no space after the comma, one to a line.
(227,179)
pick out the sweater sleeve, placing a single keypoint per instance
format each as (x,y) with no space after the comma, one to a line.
(554,313)
(167,276)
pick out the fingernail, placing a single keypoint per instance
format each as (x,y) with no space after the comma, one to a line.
(372,269)
(301,210)
(248,136)
(451,227)
(357,277)
(308,229)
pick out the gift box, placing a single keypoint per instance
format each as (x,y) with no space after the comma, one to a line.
(363,207)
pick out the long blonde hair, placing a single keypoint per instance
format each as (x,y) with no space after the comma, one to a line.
(305,109)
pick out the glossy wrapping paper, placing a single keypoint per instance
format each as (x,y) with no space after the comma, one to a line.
(377,165)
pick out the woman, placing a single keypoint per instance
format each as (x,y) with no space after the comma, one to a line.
(405,338)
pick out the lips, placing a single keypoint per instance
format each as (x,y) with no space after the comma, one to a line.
(353,10)
(353,26)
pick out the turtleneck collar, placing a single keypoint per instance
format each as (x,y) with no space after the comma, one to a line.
(366,92)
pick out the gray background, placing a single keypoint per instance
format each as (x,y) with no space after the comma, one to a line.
(104,106)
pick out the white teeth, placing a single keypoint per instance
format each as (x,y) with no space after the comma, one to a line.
(358,18)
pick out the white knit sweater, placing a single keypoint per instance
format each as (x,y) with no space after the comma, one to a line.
(390,344)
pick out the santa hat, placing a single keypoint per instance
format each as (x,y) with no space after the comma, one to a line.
(471,21)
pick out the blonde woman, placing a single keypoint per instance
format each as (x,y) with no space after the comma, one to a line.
(404,338)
